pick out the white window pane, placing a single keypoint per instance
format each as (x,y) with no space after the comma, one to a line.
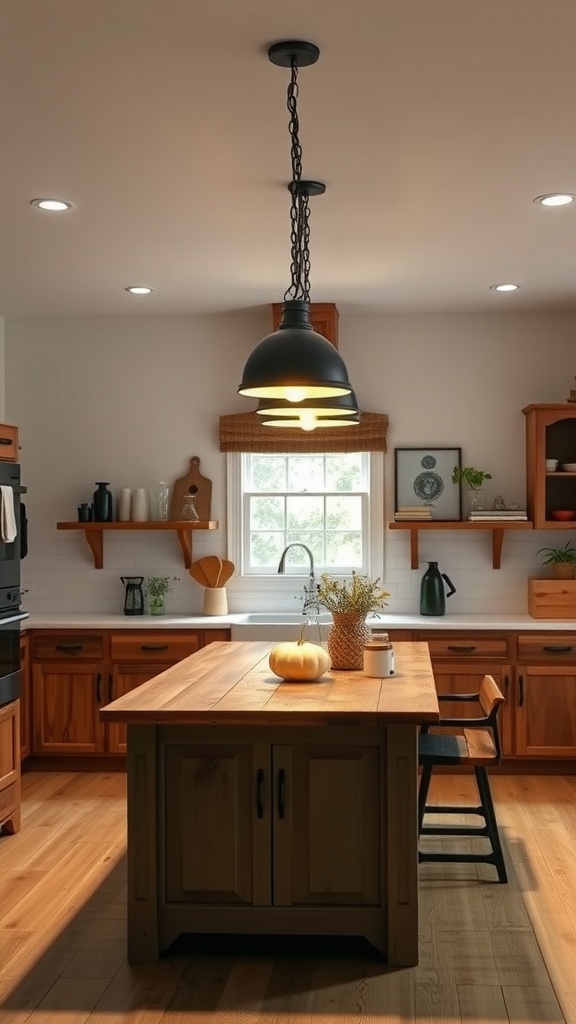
(267,473)
(266,549)
(297,556)
(306,473)
(343,549)
(344,512)
(305,513)
(345,472)
(267,513)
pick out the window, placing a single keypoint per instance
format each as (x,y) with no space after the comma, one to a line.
(330,502)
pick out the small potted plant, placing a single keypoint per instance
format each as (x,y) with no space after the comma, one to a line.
(475,479)
(156,589)
(562,561)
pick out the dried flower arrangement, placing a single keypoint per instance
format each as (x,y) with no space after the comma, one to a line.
(359,594)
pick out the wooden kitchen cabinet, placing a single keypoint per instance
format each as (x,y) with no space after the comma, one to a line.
(10,767)
(75,673)
(8,443)
(257,824)
(545,695)
(550,434)
(25,695)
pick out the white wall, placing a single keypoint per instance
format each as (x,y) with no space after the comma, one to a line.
(2,373)
(129,400)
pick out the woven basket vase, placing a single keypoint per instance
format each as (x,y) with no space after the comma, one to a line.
(346,640)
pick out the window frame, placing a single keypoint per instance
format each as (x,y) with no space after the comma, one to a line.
(284,584)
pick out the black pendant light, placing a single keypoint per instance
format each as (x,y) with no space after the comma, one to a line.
(295,363)
(310,413)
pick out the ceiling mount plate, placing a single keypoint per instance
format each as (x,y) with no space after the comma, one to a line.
(286,53)
(307,188)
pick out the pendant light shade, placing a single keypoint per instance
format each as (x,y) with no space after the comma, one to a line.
(343,406)
(294,364)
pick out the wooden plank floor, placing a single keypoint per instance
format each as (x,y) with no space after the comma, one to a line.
(489,953)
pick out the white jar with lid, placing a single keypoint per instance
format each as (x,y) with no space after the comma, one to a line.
(378,658)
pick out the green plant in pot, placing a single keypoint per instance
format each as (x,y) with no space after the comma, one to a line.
(156,589)
(475,478)
(562,561)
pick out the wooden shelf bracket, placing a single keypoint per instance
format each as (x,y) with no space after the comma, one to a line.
(496,531)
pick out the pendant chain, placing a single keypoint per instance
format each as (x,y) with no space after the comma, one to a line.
(299,209)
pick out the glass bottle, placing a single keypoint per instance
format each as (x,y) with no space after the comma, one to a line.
(158,497)
(189,513)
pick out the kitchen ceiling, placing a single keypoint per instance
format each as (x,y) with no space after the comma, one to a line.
(434,123)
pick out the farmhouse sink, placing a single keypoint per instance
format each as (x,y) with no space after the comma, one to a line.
(280,618)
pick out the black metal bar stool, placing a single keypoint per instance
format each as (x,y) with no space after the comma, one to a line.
(479,747)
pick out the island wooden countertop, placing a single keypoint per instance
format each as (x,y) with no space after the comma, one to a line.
(231,684)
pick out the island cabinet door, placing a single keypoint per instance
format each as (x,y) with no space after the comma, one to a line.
(218,823)
(326,834)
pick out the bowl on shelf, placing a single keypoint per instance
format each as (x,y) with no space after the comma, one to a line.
(563,515)
(551,465)
(569,467)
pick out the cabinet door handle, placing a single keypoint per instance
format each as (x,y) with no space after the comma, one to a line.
(153,647)
(109,687)
(281,793)
(462,650)
(260,792)
(6,440)
(557,648)
(69,648)
(506,683)
(521,691)
(99,687)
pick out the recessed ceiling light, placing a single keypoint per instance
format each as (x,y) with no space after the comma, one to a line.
(55,205)
(504,287)
(139,289)
(555,199)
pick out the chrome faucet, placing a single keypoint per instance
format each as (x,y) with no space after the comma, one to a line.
(311,605)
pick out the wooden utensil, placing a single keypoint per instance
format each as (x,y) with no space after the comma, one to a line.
(226,572)
(212,567)
(185,484)
(197,573)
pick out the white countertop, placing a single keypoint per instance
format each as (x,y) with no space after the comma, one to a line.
(521,620)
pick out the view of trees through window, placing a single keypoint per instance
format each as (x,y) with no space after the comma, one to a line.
(320,500)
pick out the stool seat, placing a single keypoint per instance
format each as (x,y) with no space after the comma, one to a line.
(477,745)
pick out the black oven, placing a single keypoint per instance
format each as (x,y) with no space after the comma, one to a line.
(10,674)
(11,552)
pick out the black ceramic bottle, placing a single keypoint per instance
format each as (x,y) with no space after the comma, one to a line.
(432,596)
(102,503)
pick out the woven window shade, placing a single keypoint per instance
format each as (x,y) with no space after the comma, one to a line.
(243,432)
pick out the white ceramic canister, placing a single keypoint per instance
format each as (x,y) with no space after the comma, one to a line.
(378,658)
(215,601)
(140,505)
(124,504)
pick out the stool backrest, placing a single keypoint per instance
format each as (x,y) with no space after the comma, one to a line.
(489,695)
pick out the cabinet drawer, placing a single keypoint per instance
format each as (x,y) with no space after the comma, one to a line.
(465,645)
(64,645)
(8,443)
(539,648)
(154,647)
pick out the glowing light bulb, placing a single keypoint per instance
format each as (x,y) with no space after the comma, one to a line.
(307,420)
(295,394)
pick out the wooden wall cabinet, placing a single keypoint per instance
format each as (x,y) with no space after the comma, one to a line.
(550,434)
(10,768)
(75,673)
(8,443)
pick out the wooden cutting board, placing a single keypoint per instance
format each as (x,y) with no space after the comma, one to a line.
(185,485)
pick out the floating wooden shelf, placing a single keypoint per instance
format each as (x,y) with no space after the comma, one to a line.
(94,533)
(497,531)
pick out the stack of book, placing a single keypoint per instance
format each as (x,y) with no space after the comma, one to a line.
(492,515)
(418,513)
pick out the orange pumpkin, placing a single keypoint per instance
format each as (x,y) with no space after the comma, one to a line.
(299,660)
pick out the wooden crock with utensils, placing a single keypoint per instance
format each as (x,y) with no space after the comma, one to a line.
(212,573)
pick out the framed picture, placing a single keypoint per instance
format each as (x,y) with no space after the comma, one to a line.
(423,480)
